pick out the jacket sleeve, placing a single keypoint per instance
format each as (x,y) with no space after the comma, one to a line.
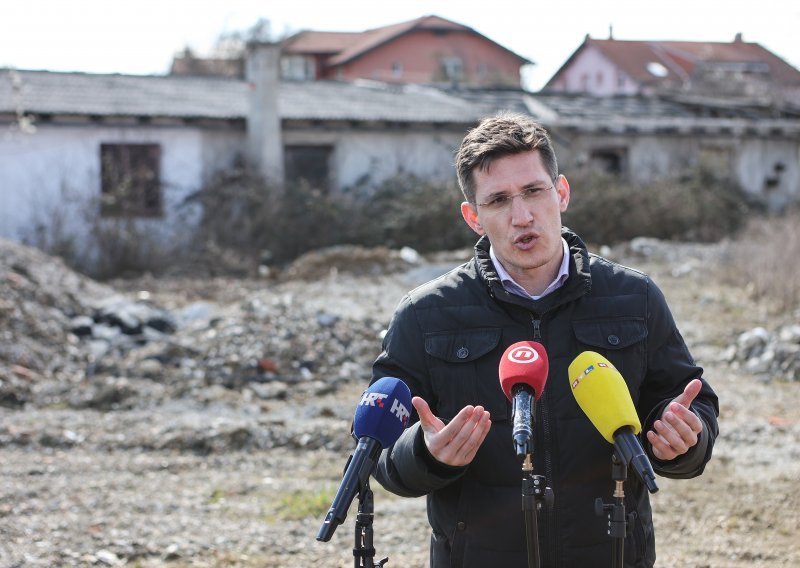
(670,367)
(407,468)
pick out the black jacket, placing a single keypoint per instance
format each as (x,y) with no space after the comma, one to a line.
(446,339)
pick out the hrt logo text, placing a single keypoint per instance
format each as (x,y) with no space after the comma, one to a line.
(373,399)
(399,410)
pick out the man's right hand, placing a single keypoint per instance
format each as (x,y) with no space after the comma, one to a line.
(456,443)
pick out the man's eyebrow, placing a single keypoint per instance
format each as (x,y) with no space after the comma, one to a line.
(501,193)
(538,184)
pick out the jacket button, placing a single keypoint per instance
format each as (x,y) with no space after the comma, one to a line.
(461,525)
(462,353)
(613,340)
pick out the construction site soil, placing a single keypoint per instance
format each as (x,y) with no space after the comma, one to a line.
(204,421)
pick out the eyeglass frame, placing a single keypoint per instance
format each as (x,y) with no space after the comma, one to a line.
(505,201)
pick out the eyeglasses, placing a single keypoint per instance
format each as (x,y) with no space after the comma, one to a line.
(501,203)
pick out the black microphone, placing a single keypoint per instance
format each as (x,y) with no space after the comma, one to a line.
(523,374)
(381,416)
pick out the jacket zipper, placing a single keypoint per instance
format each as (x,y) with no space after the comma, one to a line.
(550,552)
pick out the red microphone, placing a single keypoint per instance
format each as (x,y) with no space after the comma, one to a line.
(523,374)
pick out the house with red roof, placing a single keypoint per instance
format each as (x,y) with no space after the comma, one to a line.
(605,67)
(425,50)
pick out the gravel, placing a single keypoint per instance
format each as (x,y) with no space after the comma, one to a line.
(185,422)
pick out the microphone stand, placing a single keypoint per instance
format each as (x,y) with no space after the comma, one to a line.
(534,492)
(617,519)
(363,551)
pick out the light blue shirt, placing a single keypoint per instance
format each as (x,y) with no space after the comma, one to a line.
(512,287)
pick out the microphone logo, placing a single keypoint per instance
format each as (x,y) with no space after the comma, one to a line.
(399,410)
(372,399)
(523,354)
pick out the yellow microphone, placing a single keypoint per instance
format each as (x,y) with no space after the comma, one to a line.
(603,396)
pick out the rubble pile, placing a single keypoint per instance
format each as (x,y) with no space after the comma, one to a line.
(39,296)
(768,354)
(196,377)
(351,259)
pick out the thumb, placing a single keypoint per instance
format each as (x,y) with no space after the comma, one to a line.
(429,422)
(689,393)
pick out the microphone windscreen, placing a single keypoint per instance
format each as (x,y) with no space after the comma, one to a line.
(384,411)
(524,362)
(602,394)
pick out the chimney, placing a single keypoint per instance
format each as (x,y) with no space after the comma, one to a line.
(264,140)
(738,38)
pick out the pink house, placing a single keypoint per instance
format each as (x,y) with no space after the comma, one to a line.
(604,67)
(430,50)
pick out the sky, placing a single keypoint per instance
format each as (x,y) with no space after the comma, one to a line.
(114,36)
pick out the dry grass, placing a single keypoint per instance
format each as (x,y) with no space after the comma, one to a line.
(765,260)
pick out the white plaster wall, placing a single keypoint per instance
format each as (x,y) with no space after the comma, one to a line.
(756,163)
(51,178)
(367,158)
(651,156)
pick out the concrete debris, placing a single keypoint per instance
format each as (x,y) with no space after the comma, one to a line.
(768,354)
(71,343)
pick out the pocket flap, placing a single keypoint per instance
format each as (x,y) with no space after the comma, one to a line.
(610,333)
(462,346)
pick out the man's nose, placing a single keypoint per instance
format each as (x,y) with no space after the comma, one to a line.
(521,213)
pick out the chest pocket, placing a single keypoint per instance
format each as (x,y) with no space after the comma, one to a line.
(620,340)
(463,366)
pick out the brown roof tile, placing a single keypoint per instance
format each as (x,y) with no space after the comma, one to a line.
(681,58)
(345,46)
(311,42)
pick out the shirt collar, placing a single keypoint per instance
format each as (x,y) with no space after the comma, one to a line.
(512,287)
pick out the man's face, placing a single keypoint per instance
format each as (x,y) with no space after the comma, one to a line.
(525,232)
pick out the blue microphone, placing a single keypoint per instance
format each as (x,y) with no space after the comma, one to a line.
(381,416)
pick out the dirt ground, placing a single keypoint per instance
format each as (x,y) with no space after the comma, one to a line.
(88,497)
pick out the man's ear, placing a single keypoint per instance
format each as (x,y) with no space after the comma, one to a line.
(562,187)
(470,215)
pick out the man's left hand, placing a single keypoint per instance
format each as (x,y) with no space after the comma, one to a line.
(679,427)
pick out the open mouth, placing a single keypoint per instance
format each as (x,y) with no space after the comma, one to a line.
(525,239)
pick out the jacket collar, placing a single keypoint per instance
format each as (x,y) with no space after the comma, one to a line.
(578,283)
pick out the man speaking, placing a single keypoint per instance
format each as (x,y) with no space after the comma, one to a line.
(533,280)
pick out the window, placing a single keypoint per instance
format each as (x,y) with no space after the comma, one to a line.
(297,67)
(452,68)
(397,69)
(130,177)
(308,163)
(609,160)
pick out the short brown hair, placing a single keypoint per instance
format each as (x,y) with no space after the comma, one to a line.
(503,135)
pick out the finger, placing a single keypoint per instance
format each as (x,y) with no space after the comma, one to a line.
(439,440)
(455,426)
(661,449)
(689,393)
(671,436)
(429,422)
(473,443)
(683,429)
(463,447)
(463,436)
(687,416)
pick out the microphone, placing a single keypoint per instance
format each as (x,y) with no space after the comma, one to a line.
(603,396)
(381,416)
(523,373)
